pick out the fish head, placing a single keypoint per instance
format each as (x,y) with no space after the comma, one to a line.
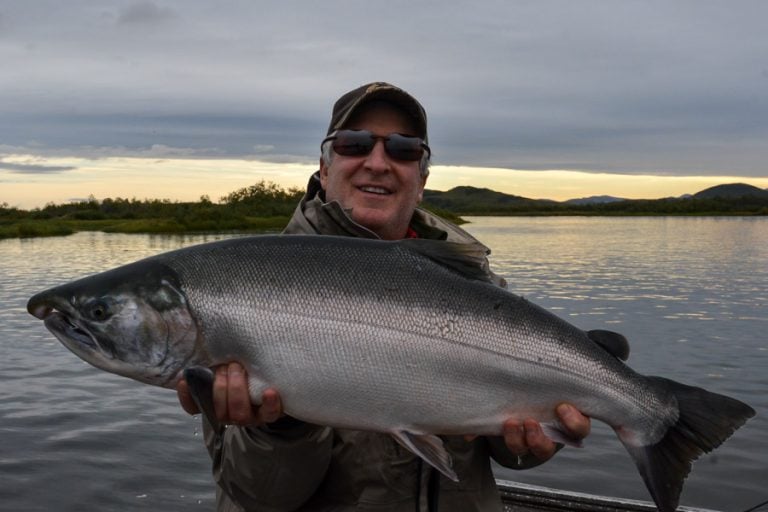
(133,321)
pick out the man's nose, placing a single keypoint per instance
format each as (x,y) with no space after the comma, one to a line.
(377,159)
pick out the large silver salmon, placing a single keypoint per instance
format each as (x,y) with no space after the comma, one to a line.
(402,337)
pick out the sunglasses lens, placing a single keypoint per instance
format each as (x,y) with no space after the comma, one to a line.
(353,143)
(403,148)
(361,142)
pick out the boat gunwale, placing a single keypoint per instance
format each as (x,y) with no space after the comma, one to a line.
(521,497)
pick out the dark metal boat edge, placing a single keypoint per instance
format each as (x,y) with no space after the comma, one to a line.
(519,497)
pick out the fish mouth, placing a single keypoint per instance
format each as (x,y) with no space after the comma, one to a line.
(65,328)
(38,310)
(52,312)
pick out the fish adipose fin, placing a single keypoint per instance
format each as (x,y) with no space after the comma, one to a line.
(467,259)
(705,420)
(612,342)
(200,382)
(430,448)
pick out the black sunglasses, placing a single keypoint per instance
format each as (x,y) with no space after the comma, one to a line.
(361,142)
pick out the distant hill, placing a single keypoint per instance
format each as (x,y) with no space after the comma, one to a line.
(731,191)
(731,199)
(479,200)
(594,200)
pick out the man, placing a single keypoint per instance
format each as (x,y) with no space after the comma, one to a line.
(373,169)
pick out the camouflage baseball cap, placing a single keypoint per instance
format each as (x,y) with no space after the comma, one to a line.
(346,106)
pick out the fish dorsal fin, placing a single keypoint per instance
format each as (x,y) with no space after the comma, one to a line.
(612,342)
(430,448)
(469,260)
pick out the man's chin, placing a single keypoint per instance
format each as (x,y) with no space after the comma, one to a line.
(379,221)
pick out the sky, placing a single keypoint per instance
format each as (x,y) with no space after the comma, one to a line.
(553,99)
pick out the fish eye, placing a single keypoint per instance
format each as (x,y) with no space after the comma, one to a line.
(98,310)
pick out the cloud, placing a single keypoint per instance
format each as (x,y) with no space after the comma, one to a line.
(677,87)
(144,12)
(33,168)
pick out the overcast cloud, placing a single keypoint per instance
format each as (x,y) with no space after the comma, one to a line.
(32,168)
(622,86)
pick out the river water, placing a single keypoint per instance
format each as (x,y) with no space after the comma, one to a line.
(689,293)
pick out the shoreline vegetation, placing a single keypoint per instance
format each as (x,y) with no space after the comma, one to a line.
(267,207)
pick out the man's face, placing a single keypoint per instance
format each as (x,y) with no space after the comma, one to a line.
(381,191)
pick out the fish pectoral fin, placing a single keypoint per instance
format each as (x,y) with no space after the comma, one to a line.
(200,383)
(430,448)
(556,432)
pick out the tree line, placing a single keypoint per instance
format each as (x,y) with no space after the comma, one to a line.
(266,206)
(263,199)
(262,206)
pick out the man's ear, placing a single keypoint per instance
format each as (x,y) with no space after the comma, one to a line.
(323,173)
(420,197)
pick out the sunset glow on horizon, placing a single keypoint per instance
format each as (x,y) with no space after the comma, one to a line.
(180,179)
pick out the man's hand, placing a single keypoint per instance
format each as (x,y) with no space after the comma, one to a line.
(527,437)
(232,401)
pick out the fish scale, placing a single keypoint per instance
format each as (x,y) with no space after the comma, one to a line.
(341,299)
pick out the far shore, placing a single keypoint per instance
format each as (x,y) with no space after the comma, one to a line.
(267,207)
(31,228)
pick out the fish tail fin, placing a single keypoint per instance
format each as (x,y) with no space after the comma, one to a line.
(705,420)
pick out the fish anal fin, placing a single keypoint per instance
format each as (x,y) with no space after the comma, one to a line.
(430,448)
(557,433)
(200,384)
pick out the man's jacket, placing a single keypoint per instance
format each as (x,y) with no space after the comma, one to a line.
(291,465)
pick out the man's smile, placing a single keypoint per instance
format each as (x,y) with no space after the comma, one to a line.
(374,190)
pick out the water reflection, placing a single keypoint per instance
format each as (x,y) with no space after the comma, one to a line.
(690,294)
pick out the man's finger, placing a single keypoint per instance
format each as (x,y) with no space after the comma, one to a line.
(220,388)
(539,444)
(238,399)
(514,437)
(577,424)
(185,398)
(271,407)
